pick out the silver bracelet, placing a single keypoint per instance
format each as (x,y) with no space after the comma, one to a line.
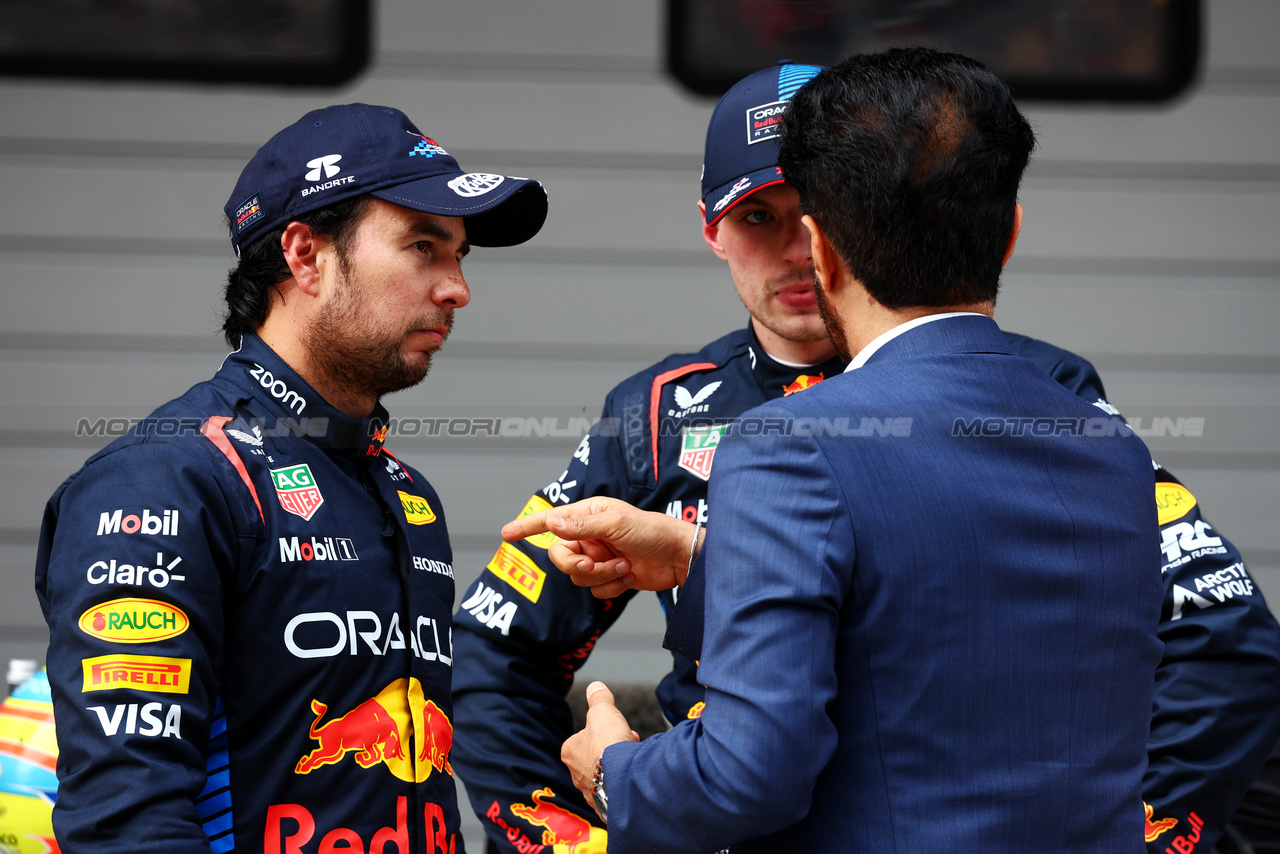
(693,547)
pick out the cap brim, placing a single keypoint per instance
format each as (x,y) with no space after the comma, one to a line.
(727,200)
(510,212)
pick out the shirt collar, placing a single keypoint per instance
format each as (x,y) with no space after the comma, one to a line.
(885,337)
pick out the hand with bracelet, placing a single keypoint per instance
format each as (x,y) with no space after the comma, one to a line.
(612,547)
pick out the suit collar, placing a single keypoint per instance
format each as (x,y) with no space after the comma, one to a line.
(952,332)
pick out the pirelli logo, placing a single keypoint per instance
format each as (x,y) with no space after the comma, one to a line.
(514,567)
(142,672)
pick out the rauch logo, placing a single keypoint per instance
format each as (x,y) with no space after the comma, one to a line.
(134,621)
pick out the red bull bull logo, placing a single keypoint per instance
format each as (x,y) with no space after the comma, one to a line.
(380,729)
(801,383)
(1158,826)
(567,831)
(435,738)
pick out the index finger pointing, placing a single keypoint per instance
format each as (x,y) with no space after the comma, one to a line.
(527,526)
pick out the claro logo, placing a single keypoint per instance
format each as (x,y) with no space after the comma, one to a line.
(277,389)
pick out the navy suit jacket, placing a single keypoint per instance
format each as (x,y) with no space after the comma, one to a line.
(931,604)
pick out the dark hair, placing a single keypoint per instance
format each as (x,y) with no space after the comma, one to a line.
(262,266)
(910,161)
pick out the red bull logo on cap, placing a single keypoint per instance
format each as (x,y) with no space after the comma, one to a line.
(381,730)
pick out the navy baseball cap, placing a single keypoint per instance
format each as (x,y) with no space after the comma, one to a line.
(350,150)
(742,139)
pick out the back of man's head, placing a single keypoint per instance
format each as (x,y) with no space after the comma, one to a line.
(910,160)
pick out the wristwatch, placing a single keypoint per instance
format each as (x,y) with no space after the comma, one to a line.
(598,794)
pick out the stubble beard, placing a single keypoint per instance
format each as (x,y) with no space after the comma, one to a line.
(831,320)
(357,360)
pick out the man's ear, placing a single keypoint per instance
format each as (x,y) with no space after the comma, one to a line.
(711,233)
(1013,234)
(301,247)
(827,263)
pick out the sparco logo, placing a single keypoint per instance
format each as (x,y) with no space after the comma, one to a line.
(277,389)
(318,548)
(633,432)
(166,524)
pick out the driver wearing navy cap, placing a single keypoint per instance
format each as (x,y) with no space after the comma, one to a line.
(248,596)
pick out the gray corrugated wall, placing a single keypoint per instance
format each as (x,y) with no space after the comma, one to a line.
(1151,245)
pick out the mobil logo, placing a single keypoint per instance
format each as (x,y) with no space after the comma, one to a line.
(294,549)
(163,523)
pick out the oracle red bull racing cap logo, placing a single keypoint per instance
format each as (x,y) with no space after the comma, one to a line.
(384,729)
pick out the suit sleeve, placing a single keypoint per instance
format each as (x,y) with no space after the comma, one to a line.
(130,576)
(748,766)
(521,632)
(1216,713)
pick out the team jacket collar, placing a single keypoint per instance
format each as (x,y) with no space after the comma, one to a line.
(298,407)
(770,375)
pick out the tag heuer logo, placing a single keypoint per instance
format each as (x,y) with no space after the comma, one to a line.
(699,448)
(297,490)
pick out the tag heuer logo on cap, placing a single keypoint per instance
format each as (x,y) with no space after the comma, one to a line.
(297,490)
(698,448)
(475,183)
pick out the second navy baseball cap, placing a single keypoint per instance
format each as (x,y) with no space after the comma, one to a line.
(742,139)
(340,152)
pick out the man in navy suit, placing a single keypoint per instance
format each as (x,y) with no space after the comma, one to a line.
(931,597)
